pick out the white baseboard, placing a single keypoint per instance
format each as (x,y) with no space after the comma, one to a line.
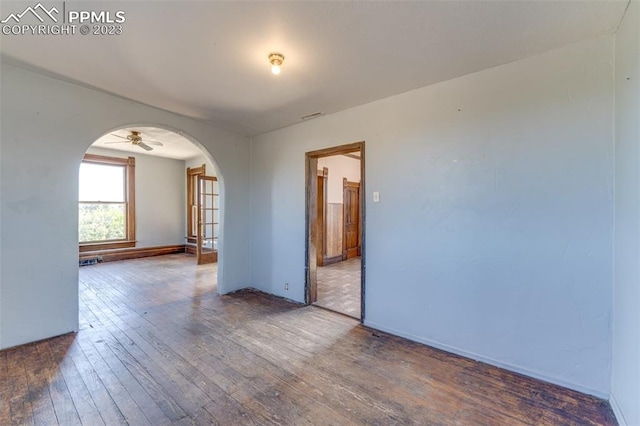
(616,410)
(491,361)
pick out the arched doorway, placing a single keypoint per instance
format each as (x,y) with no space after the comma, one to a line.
(138,198)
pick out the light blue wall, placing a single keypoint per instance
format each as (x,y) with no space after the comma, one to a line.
(493,237)
(625,385)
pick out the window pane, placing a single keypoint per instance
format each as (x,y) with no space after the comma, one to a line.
(99,182)
(100,222)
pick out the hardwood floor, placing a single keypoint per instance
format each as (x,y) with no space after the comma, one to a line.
(339,287)
(157,346)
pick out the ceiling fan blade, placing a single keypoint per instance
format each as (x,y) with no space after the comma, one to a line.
(118,136)
(144,146)
(116,142)
(156,143)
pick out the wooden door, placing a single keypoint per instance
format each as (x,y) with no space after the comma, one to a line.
(351,228)
(208,219)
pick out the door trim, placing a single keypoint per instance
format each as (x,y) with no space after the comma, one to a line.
(323,178)
(191,194)
(311,212)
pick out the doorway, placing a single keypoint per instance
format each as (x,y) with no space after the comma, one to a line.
(132,199)
(335,214)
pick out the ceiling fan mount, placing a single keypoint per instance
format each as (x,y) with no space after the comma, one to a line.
(135,137)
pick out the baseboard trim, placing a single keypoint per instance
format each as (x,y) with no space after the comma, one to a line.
(31,342)
(617,411)
(132,253)
(326,260)
(490,361)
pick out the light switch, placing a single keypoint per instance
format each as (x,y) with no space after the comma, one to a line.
(376,197)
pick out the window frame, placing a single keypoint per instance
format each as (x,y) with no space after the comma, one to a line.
(129,165)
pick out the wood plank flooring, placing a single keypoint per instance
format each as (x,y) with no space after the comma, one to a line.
(157,346)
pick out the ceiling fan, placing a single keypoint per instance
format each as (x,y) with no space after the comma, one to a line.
(135,138)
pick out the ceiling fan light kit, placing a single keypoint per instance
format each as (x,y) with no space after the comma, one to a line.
(135,137)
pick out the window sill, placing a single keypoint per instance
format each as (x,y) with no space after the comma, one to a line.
(106,245)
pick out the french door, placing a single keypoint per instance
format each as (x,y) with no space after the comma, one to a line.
(208,211)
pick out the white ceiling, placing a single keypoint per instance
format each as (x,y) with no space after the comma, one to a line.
(173,145)
(208,60)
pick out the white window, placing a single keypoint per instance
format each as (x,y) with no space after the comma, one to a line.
(106,201)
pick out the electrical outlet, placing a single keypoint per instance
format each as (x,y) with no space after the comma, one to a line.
(286,286)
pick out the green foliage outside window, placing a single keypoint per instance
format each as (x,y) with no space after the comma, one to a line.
(101,222)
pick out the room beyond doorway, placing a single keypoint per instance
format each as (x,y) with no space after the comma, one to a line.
(335,218)
(162,195)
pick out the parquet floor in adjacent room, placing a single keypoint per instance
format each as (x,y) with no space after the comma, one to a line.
(339,287)
(158,346)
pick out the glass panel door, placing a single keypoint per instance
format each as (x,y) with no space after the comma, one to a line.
(208,219)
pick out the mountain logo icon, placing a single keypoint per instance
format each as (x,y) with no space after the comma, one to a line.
(38,11)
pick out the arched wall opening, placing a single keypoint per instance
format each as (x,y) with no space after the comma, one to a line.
(165,190)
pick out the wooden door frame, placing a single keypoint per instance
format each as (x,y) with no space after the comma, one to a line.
(191,173)
(323,177)
(311,217)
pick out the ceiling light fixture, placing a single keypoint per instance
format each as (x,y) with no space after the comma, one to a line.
(276,60)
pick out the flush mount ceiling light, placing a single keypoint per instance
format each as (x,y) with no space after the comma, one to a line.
(276,60)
